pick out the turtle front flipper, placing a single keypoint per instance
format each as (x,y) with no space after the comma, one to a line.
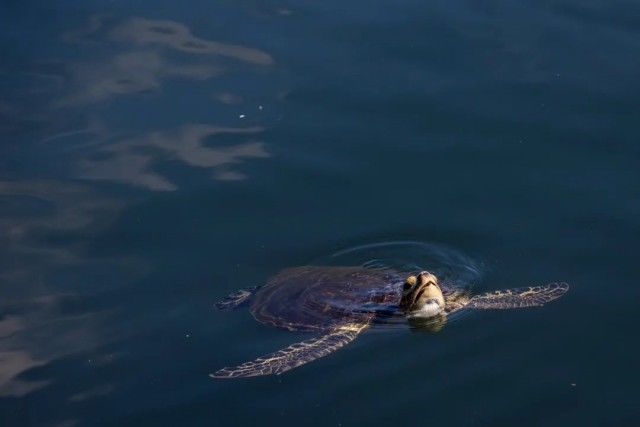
(296,354)
(236,298)
(519,297)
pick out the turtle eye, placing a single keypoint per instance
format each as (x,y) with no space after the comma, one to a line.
(411,281)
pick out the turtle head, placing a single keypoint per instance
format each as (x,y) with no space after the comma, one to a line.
(422,296)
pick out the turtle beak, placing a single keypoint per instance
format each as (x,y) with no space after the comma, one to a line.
(419,291)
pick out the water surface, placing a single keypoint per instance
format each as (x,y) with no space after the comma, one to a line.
(155,156)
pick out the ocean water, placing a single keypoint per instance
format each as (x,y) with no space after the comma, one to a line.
(156,156)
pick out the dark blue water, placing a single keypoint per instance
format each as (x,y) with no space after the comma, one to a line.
(155,156)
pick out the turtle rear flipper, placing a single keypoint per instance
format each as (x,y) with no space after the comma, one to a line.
(519,297)
(236,298)
(296,354)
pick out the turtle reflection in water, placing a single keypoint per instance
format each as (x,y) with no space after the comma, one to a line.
(339,303)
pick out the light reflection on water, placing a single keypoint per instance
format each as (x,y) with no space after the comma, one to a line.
(43,318)
(154,157)
(39,323)
(130,71)
(131,161)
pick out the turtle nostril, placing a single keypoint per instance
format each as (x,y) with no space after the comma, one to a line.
(424,278)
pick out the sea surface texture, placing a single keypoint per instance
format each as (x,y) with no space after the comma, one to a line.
(156,156)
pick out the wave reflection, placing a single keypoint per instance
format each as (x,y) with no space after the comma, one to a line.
(132,161)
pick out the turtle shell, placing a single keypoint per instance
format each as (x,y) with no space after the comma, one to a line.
(317,297)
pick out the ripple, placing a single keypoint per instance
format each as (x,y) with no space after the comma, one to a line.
(399,259)
(452,267)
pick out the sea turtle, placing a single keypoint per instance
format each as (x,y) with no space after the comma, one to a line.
(338,303)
